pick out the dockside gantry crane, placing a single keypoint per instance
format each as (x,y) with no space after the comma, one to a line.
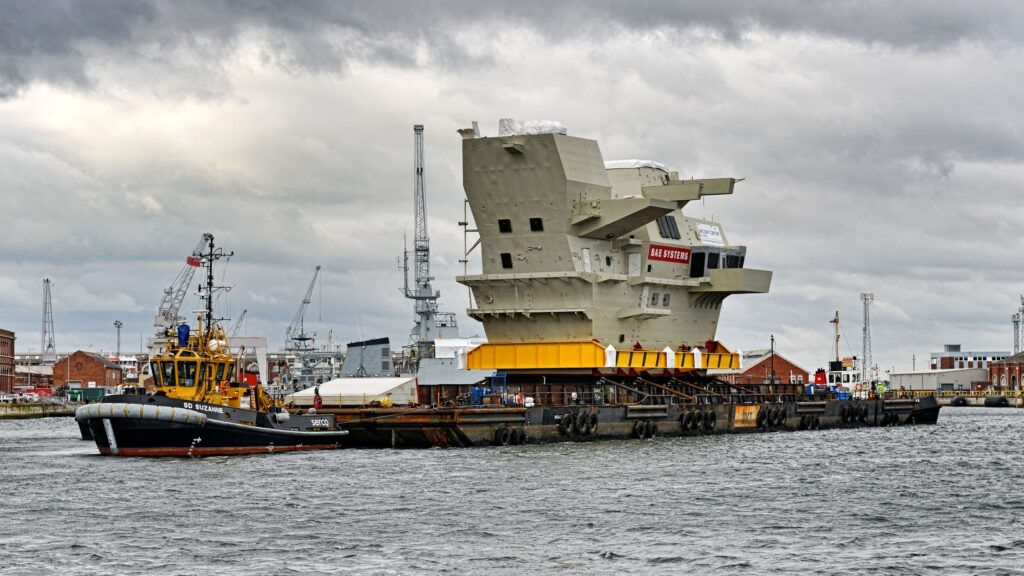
(296,338)
(167,315)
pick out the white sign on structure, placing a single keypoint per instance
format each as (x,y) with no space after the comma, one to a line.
(710,234)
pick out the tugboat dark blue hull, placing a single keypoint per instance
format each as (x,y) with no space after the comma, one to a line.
(147,425)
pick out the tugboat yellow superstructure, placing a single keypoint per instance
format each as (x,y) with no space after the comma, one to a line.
(199,367)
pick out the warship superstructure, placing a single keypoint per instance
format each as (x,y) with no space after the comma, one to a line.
(600,298)
(576,250)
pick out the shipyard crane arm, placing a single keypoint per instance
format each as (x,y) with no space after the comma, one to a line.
(296,332)
(174,295)
(238,324)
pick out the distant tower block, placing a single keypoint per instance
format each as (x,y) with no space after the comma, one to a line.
(865,370)
(49,349)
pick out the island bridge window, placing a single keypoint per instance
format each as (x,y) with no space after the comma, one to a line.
(712,260)
(668,227)
(666,299)
(697,264)
(654,299)
(506,259)
(504,226)
(537,224)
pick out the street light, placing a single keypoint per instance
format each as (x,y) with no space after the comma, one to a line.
(118,324)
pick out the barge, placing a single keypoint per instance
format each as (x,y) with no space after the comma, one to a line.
(600,298)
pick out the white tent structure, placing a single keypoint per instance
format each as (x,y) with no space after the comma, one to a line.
(355,392)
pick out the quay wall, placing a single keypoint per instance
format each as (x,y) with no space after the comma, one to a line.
(12,411)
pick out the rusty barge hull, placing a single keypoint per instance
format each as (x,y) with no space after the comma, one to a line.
(498,426)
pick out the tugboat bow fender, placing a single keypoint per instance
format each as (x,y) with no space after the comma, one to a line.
(142,411)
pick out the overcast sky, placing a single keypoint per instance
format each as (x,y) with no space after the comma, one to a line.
(881,144)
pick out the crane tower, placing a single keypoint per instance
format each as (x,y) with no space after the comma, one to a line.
(865,366)
(296,337)
(167,314)
(425,330)
(48,348)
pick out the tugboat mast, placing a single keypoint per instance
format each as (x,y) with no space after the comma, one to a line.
(212,255)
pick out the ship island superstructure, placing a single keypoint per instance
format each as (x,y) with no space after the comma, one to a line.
(579,252)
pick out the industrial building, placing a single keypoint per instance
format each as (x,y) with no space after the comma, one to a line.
(86,370)
(952,357)
(949,380)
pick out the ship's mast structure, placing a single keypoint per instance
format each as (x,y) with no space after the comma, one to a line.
(48,348)
(425,297)
(835,328)
(206,294)
(865,367)
(296,337)
(167,314)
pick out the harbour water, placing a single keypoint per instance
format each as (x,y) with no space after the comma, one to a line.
(942,499)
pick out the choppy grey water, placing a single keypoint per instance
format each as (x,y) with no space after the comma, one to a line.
(940,499)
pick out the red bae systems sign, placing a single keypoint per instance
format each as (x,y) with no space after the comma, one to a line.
(669,254)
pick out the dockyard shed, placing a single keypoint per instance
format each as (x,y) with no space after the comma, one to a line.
(355,392)
(946,380)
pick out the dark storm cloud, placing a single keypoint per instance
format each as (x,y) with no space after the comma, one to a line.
(55,41)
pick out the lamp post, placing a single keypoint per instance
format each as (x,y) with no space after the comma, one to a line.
(118,324)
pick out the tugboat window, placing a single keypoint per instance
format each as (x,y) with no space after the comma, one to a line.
(537,224)
(504,225)
(220,374)
(168,370)
(506,259)
(666,299)
(186,373)
(154,369)
(654,299)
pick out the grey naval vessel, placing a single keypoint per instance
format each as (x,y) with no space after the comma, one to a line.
(600,298)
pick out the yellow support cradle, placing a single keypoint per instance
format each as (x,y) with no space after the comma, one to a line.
(589,355)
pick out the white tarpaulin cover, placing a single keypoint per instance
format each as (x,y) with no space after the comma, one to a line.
(350,392)
(513,127)
(634,163)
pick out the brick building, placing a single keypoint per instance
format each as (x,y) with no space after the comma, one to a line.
(6,361)
(1006,374)
(758,366)
(86,370)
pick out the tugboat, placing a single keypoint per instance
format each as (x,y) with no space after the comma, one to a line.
(197,408)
